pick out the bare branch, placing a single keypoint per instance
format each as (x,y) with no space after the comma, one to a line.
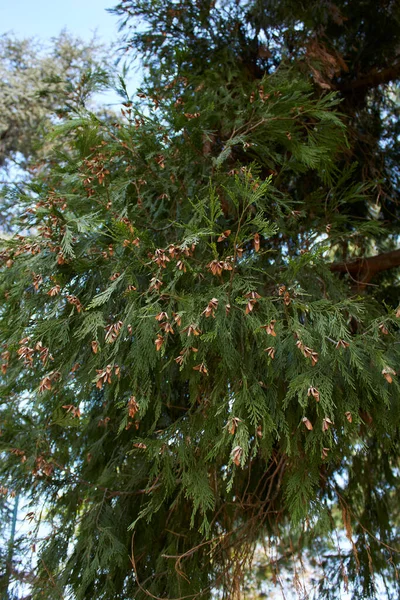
(364,269)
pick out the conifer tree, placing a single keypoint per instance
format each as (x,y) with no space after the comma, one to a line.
(198,315)
(38,83)
(42,84)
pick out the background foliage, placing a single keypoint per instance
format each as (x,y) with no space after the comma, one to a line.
(41,85)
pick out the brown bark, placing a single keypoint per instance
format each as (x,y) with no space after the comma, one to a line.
(362,270)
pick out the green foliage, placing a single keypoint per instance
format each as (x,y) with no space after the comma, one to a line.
(41,85)
(184,373)
(37,83)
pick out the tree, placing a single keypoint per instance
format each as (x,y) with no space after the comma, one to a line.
(40,85)
(200,329)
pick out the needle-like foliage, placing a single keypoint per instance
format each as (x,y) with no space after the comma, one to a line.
(192,363)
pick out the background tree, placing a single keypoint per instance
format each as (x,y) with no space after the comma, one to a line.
(194,318)
(39,86)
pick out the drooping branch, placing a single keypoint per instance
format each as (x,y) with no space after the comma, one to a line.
(364,269)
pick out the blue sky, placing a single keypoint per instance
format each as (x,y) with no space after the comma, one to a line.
(46,18)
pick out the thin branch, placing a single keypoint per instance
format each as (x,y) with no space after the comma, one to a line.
(147,592)
(365,530)
(366,268)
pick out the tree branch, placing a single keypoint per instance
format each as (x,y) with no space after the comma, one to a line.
(364,269)
(373,79)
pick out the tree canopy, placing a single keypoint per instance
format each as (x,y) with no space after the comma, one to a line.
(199,314)
(40,85)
